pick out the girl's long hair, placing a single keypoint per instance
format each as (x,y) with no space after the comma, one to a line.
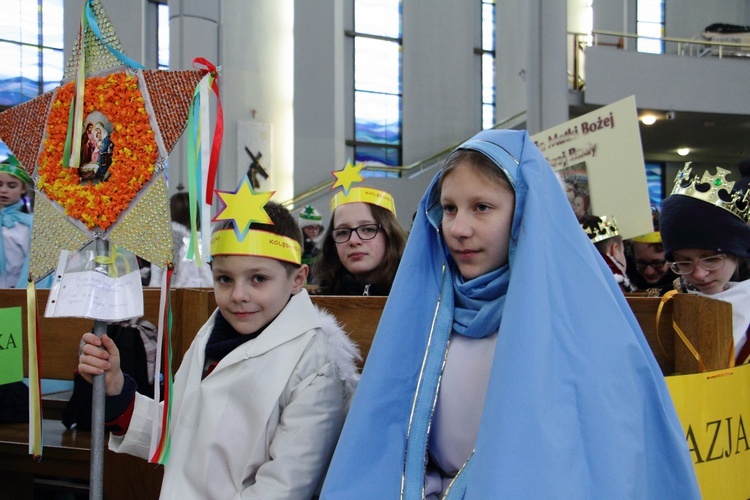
(328,269)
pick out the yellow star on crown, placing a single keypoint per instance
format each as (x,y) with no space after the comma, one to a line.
(243,206)
(348,176)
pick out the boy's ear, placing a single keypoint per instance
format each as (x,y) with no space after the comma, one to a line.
(300,278)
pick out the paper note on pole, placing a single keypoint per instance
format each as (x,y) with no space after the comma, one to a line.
(94,295)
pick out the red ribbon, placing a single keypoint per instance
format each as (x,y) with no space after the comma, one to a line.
(206,67)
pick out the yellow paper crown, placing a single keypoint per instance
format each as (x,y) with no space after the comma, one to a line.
(13,167)
(256,243)
(364,195)
(714,189)
(243,206)
(350,175)
(653,237)
(605,228)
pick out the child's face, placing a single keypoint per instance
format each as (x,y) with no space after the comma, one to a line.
(707,282)
(311,232)
(360,257)
(11,189)
(477,217)
(252,291)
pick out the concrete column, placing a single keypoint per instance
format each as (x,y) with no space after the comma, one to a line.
(547,85)
(193,32)
(320,92)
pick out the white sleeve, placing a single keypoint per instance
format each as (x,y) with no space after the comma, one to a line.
(137,440)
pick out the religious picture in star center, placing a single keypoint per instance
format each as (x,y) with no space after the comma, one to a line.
(96,148)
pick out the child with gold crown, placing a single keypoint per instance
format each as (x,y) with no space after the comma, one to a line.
(261,395)
(704,226)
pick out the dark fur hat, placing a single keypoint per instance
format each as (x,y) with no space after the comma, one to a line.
(687,222)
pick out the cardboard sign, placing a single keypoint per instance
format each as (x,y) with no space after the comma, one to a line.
(599,160)
(11,345)
(714,409)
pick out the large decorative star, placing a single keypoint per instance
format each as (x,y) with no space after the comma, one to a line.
(348,176)
(56,228)
(243,206)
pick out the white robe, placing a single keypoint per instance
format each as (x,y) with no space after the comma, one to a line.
(265,422)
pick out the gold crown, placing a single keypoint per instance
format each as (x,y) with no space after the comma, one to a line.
(604,228)
(714,189)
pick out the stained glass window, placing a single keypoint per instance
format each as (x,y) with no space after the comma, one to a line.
(650,23)
(31,49)
(488,63)
(377,82)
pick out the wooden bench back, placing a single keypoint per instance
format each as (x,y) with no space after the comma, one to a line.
(705,322)
(359,316)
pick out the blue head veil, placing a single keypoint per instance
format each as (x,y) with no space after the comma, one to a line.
(576,405)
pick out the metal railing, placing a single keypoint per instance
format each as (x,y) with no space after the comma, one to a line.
(698,46)
(406,171)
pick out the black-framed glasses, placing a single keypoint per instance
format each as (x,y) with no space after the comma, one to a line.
(656,265)
(710,263)
(365,232)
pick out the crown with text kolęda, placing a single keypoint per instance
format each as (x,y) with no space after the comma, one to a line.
(714,189)
(604,228)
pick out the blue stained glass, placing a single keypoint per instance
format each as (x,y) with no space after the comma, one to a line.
(654,180)
(488,78)
(379,156)
(29,16)
(163,30)
(52,71)
(378,118)
(488,116)
(377,65)
(488,26)
(378,17)
(52,19)
(10,21)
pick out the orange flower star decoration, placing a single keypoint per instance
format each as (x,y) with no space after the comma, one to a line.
(96,198)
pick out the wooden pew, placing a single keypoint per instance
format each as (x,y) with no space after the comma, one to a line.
(66,452)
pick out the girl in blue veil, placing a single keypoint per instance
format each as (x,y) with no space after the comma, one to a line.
(511,370)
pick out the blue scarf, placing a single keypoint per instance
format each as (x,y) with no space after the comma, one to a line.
(9,217)
(479,302)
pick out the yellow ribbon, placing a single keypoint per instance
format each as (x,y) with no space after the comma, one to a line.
(111,261)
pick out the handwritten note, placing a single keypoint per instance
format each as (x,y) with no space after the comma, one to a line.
(11,345)
(93,295)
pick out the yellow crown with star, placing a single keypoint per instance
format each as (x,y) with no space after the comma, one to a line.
(714,189)
(242,207)
(350,175)
(604,228)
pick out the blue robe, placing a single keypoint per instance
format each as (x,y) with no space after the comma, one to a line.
(576,405)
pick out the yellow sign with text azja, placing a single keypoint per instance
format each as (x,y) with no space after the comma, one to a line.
(714,409)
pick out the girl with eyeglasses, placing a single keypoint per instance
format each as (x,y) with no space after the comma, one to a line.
(708,246)
(362,246)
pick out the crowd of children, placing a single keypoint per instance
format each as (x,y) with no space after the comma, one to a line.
(550,406)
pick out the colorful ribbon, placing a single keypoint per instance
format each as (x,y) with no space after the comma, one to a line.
(200,157)
(160,437)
